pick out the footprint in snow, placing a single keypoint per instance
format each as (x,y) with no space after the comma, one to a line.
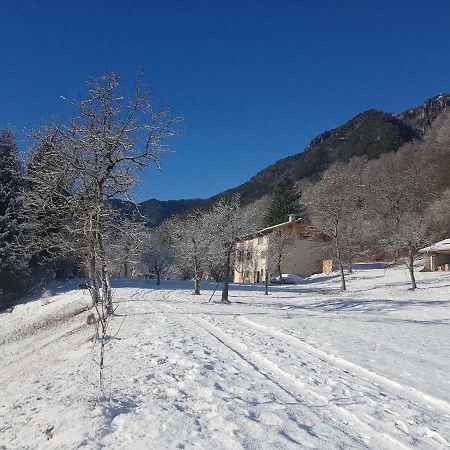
(401,426)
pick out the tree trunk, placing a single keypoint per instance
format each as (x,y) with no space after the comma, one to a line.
(197,276)
(197,285)
(341,267)
(158,277)
(226,279)
(104,275)
(266,283)
(125,261)
(279,272)
(92,281)
(341,270)
(411,267)
(350,261)
(92,270)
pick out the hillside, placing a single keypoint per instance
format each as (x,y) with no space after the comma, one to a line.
(370,133)
(311,368)
(157,211)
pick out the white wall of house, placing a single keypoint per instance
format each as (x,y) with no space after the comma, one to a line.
(251,260)
(303,260)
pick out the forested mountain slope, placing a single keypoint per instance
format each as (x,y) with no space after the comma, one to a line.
(371,133)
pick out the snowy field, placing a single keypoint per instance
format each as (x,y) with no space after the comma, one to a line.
(306,367)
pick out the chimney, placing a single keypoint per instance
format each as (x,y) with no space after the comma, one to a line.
(292,217)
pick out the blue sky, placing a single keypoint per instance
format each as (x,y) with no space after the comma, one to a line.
(254,80)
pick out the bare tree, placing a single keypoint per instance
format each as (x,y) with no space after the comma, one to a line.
(159,254)
(400,196)
(230,222)
(333,204)
(101,149)
(438,216)
(93,158)
(191,241)
(127,241)
(280,247)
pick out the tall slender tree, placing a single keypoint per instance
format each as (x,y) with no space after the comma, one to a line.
(192,243)
(11,263)
(285,200)
(230,222)
(333,206)
(97,157)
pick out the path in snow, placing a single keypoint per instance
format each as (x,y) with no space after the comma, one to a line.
(305,368)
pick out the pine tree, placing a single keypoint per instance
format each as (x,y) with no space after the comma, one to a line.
(285,201)
(10,183)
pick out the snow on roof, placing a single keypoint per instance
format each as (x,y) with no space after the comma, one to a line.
(308,231)
(437,247)
(268,229)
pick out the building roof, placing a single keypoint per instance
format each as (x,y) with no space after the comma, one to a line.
(308,231)
(441,246)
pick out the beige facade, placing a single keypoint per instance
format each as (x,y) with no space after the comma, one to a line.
(303,254)
(251,260)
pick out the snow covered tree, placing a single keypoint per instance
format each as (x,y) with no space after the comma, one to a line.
(11,262)
(159,254)
(438,216)
(230,222)
(191,241)
(285,200)
(332,204)
(96,157)
(388,201)
(280,248)
(127,241)
(48,212)
(399,201)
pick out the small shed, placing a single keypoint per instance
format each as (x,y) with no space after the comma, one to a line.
(437,256)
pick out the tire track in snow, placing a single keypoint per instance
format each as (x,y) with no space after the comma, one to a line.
(412,394)
(294,387)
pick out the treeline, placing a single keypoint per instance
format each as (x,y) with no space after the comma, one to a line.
(56,214)
(57,217)
(391,206)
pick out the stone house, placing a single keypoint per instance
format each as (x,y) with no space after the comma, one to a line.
(304,254)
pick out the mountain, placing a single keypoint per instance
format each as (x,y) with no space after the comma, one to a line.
(156,211)
(370,133)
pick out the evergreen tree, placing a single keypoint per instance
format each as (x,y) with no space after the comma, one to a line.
(285,201)
(10,182)
(49,258)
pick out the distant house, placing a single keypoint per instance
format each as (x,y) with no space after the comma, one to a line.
(437,256)
(304,253)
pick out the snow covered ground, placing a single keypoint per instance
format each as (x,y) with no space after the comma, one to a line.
(306,367)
